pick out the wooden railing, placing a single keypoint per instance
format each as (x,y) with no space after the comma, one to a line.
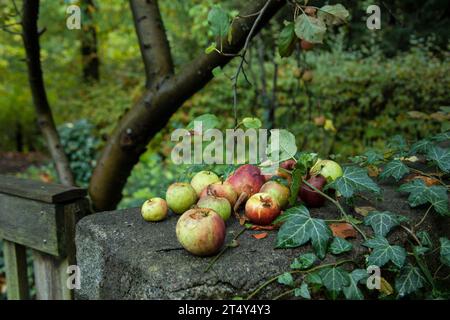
(40,217)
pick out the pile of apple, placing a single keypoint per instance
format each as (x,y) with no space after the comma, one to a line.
(207,202)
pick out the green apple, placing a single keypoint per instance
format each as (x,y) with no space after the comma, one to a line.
(277,190)
(180,197)
(219,205)
(203,179)
(328,168)
(154,209)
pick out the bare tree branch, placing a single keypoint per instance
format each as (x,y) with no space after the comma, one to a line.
(152,112)
(155,49)
(46,123)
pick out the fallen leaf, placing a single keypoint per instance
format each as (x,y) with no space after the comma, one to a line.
(261,235)
(385,287)
(373,171)
(343,230)
(45,177)
(429,181)
(259,228)
(364,211)
(319,121)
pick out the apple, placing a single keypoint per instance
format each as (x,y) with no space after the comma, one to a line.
(219,205)
(201,231)
(262,209)
(306,45)
(277,190)
(328,168)
(203,179)
(180,197)
(288,164)
(308,76)
(310,11)
(154,209)
(309,196)
(222,190)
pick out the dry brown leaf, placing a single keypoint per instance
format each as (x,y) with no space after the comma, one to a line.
(429,181)
(373,171)
(364,211)
(45,177)
(343,230)
(261,235)
(259,228)
(385,287)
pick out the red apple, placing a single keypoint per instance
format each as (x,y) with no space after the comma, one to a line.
(277,190)
(201,231)
(221,190)
(311,197)
(306,45)
(262,209)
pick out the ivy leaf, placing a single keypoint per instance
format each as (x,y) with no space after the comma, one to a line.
(421,147)
(441,137)
(299,210)
(383,252)
(310,29)
(397,143)
(440,156)
(419,250)
(410,280)
(252,123)
(334,279)
(352,292)
(354,179)
(340,245)
(208,121)
(314,278)
(286,40)
(286,279)
(297,176)
(381,222)
(303,291)
(445,251)
(425,238)
(303,262)
(333,14)
(394,168)
(219,21)
(420,193)
(373,156)
(437,196)
(299,229)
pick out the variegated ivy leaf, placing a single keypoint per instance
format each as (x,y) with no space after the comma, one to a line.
(425,238)
(397,143)
(303,262)
(301,228)
(335,278)
(310,29)
(394,168)
(354,179)
(373,156)
(299,210)
(383,252)
(286,279)
(441,137)
(445,251)
(303,291)
(440,156)
(410,280)
(339,245)
(352,292)
(420,147)
(381,222)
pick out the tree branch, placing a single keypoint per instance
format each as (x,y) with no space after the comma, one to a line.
(155,49)
(30,36)
(155,108)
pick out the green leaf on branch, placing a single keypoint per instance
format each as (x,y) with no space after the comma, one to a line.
(303,262)
(208,121)
(251,123)
(383,252)
(410,280)
(445,251)
(299,210)
(420,193)
(333,14)
(310,29)
(381,222)
(352,292)
(287,40)
(339,245)
(394,168)
(286,279)
(219,22)
(440,156)
(210,49)
(299,229)
(335,278)
(354,179)
(303,291)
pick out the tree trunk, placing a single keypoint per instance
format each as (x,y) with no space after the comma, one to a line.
(160,101)
(45,120)
(89,55)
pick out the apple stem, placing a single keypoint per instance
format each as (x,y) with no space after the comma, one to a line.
(223,250)
(339,206)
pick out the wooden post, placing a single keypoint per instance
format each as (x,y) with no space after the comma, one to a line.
(41,217)
(16,270)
